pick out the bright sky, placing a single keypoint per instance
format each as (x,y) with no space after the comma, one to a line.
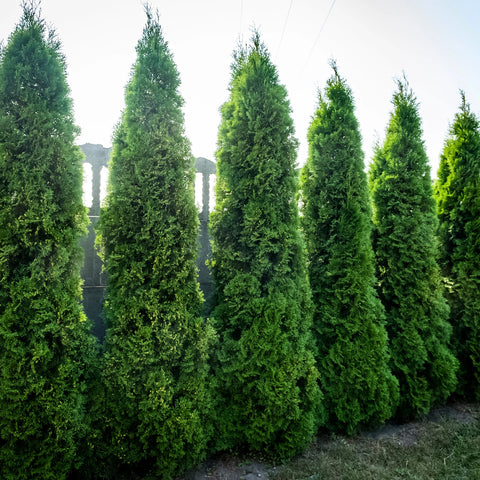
(435,42)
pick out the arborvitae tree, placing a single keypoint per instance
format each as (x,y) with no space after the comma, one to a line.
(46,350)
(269,399)
(407,260)
(458,198)
(157,344)
(349,320)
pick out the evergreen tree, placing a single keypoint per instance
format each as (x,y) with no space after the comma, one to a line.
(407,254)
(157,344)
(46,351)
(349,320)
(458,198)
(267,381)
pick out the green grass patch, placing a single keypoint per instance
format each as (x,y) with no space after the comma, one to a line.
(443,446)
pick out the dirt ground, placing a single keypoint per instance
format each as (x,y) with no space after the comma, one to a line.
(407,434)
(230,467)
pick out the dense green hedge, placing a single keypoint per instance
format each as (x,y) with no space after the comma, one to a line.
(157,345)
(265,370)
(349,320)
(168,389)
(47,354)
(407,252)
(458,197)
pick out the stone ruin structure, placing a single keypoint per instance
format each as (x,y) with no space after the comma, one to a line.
(96,171)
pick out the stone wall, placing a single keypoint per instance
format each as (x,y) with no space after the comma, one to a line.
(96,164)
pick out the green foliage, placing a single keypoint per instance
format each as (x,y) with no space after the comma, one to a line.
(406,247)
(47,354)
(457,192)
(267,381)
(157,344)
(349,320)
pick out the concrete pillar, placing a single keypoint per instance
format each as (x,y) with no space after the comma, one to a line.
(94,280)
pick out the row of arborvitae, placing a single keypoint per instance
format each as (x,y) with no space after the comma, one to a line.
(296,343)
(47,355)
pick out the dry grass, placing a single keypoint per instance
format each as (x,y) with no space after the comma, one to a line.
(445,445)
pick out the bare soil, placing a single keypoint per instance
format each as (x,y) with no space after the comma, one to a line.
(407,434)
(231,467)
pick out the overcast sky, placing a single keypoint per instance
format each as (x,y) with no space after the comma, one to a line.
(435,42)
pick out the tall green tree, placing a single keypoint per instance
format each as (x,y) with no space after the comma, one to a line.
(269,399)
(457,192)
(407,260)
(157,344)
(349,320)
(46,351)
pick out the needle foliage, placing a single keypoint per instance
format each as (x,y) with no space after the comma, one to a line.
(47,354)
(457,192)
(157,344)
(407,260)
(267,381)
(349,320)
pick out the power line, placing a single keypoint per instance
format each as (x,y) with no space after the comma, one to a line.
(319,33)
(284,27)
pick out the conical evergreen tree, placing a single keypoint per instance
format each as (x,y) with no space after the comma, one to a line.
(407,252)
(458,198)
(46,350)
(349,320)
(267,380)
(157,344)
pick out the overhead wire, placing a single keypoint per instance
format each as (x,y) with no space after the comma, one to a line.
(284,27)
(319,33)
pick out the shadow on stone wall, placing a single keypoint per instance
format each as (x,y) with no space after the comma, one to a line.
(96,159)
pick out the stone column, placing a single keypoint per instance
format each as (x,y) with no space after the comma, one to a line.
(94,283)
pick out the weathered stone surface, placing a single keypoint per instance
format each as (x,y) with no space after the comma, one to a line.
(207,168)
(94,280)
